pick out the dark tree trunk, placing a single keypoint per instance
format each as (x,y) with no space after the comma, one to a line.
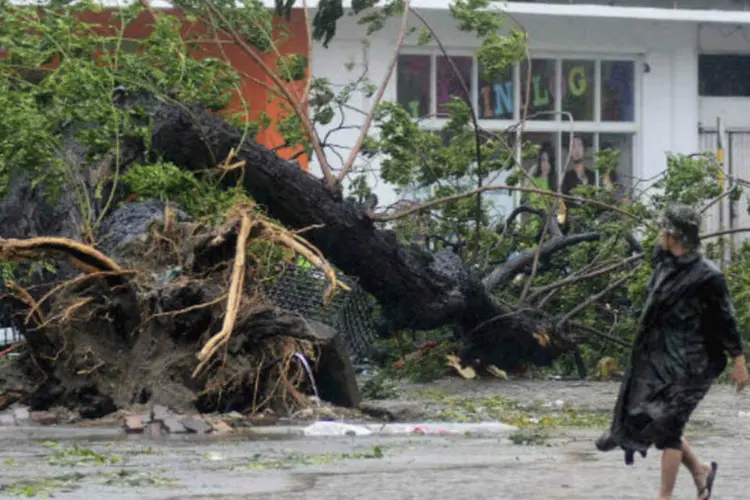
(416,289)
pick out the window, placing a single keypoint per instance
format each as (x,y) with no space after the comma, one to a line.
(724,75)
(617,91)
(414,81)
(496,98)
(541,88)
(452,75)
(599,93)
(578,89)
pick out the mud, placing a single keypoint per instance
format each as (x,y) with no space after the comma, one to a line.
(107,464)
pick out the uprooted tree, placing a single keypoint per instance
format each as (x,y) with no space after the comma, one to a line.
(140,223)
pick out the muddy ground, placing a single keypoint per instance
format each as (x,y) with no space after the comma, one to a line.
(552,457)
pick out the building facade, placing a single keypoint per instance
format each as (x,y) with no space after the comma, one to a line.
(645,80)
(646,77)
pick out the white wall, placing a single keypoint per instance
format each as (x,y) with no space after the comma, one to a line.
(669,101)
(734,111)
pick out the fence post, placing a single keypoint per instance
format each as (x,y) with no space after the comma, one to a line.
(720,159)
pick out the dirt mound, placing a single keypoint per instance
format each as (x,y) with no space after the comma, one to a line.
(174,312)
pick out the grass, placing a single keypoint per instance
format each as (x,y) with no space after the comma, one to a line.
(44,487)
(500,409)
(291,459)
(77,455)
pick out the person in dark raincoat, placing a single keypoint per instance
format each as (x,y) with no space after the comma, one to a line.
(686,330)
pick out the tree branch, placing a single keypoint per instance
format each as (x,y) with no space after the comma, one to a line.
(594,331)
(554,230)
(498,187)
(594,274)
(477,130)
(301,114)
(716,200)
(378,96)
(510,269)
(583,305)
(549,222)
(725,232)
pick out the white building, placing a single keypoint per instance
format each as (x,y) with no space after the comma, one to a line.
(648,80)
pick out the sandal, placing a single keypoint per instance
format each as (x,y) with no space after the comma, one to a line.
(709,482)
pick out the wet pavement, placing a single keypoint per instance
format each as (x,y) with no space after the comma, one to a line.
(103,463)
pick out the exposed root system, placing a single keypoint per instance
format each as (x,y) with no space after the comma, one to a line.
(178,317)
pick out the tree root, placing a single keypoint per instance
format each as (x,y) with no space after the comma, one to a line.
(185,292)
(233,296)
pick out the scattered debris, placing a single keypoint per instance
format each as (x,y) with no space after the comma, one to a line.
(44,417)
(466,372)
(329,429)
(196,425)
(134,423)
(174,426)
(220,428)
(393,411)
(497,372)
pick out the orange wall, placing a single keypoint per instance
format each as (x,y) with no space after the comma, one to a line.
(255,94)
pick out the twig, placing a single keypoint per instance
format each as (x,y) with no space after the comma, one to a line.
(186,310)
(507,272)
(12,348)
(25,297)
(576,279)
(74,281)
(725,232)
(714,201)
(499,187)
(594,331)
(583,305)
(580,272)
(535,264)
(378,96)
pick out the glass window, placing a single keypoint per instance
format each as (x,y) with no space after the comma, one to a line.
(541,99)
(496,96)
(448,83)
(617,91)
(724,75)
(577,89)
(623,143)
(413,84)
(540,159)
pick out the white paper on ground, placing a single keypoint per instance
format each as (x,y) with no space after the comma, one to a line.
(335,429)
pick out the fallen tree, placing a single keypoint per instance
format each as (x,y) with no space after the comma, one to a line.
(162,291)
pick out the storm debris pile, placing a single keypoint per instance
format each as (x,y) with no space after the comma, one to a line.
(175,314)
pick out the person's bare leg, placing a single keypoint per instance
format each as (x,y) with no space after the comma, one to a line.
(670,466)
(699,470)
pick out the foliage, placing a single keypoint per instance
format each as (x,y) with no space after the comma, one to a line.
(379,387)
(197,196)
(64,79)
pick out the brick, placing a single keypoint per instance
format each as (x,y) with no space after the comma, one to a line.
(133,423)
(196,425)
(220,428)
(44,417)
(174,426)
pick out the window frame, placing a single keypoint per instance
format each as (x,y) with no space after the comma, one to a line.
(710,53)
(559,124)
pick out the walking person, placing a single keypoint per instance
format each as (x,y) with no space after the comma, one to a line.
(687,329)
